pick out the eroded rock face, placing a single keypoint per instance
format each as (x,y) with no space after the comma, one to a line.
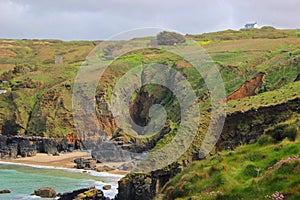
(11,147)
(241,128)
(9,150)
(144,186)
(136,187)
(249,88)
(45,192)
(108,151)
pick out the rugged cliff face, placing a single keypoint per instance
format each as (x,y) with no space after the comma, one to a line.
(240,128)
(139,186)
(13,146)
(245,127)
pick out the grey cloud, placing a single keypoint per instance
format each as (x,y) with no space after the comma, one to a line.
(99,19)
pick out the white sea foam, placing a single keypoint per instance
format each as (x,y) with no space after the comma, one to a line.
(90,172)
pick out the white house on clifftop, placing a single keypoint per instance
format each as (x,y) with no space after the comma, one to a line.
(251,25)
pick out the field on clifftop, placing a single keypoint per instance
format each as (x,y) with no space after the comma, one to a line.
(38,101)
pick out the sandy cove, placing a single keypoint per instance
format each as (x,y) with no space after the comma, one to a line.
(65,160)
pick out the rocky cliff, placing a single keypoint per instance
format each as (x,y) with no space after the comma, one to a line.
(14,146)
(144,186)
(245,127)
(240,128)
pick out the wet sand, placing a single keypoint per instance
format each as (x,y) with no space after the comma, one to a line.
(65,160)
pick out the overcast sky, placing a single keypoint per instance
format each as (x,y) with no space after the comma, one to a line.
(100,19)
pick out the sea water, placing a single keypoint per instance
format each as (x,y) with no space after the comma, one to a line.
(22,180)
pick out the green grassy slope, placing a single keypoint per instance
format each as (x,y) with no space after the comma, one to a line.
(249,172)
(28,66)
(33,78)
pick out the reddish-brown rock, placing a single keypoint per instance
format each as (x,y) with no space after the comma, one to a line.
(248,89)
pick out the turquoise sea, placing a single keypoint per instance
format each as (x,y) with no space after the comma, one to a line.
(22,180)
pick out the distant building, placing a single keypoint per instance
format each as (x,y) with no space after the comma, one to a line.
(3,91)
(251,25)
(59,60)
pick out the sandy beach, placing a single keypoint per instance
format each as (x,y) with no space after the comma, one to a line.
(62,161)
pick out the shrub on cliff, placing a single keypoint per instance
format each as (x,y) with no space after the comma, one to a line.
(169,38)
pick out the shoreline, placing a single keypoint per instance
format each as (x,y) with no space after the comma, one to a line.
(63,162)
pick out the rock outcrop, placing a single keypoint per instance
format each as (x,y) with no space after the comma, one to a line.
(13,146)
(5,191)
(84,194)
(109,151)
(244,127)
(144,186)
(248,89)
(240,128)
(45,192)
(88,163)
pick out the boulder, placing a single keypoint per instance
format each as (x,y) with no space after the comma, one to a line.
(82,163)
(110,152)
(105,168)
(106,187)
(94,194)
(127,166)
(84,194)
(4,191)
(45,192)
(73,194)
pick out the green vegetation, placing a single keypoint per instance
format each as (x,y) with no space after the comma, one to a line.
(29,71)
(38,102)
(287,92)
(249,172)
(31,75)
(265,32)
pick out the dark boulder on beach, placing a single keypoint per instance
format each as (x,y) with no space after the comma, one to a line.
(45,192)
(105,168)
(86,163)
(127,166)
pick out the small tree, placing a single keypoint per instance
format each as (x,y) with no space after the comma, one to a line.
(169,38)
